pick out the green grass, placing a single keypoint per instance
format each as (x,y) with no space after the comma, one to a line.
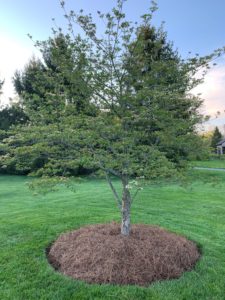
(29,223)
(216,163)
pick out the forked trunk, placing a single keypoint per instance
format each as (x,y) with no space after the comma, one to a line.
(125,210)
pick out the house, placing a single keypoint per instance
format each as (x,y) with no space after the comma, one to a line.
(221,147)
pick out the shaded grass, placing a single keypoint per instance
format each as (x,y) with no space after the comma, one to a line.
(29,223)
(216,163)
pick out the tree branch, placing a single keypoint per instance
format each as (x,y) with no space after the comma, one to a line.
(118,200)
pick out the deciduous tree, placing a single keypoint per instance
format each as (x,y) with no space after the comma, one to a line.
(143,86)
(146,125)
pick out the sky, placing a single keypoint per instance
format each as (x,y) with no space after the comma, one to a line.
(193,25)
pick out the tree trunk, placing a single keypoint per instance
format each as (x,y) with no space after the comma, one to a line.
(125,210)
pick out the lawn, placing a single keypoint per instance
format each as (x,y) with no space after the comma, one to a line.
(29,223)
(215,163)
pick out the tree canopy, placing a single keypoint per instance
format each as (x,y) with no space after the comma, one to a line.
(12,115)
(50,88)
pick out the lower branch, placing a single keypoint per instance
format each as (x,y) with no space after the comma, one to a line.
(114,191)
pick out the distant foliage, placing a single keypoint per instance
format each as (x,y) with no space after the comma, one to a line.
(12,115)
(216,138)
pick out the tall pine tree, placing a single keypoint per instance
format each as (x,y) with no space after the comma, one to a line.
(51,89)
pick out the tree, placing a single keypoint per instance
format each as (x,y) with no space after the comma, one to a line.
(12,115)
(153,57)
(50,91)
(50,88)
(148,129)
(145,128)
(44,150)
(216,137)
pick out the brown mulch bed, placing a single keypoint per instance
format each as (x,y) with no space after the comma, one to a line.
(99,254)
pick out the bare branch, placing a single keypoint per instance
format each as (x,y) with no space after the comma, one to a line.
(119,202)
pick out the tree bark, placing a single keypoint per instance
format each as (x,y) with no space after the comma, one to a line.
(125,210)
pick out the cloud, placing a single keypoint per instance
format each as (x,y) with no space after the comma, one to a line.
(213,90)
(213,93)
(13,55)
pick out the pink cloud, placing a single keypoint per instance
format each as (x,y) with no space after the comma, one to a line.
(213,90)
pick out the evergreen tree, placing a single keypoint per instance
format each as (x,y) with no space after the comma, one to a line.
(216,137)
(51,88)
(153,62)
(12,115)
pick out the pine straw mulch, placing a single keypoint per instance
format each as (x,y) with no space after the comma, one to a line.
(99,254)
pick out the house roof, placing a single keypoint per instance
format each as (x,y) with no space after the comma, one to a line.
(221,142)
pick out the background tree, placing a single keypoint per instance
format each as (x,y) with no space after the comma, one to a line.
(50,92)
(216,137)
(12,115)
(153,59)
(45,150)
(50,88)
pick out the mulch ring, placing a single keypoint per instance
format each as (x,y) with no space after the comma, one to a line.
(100,254)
